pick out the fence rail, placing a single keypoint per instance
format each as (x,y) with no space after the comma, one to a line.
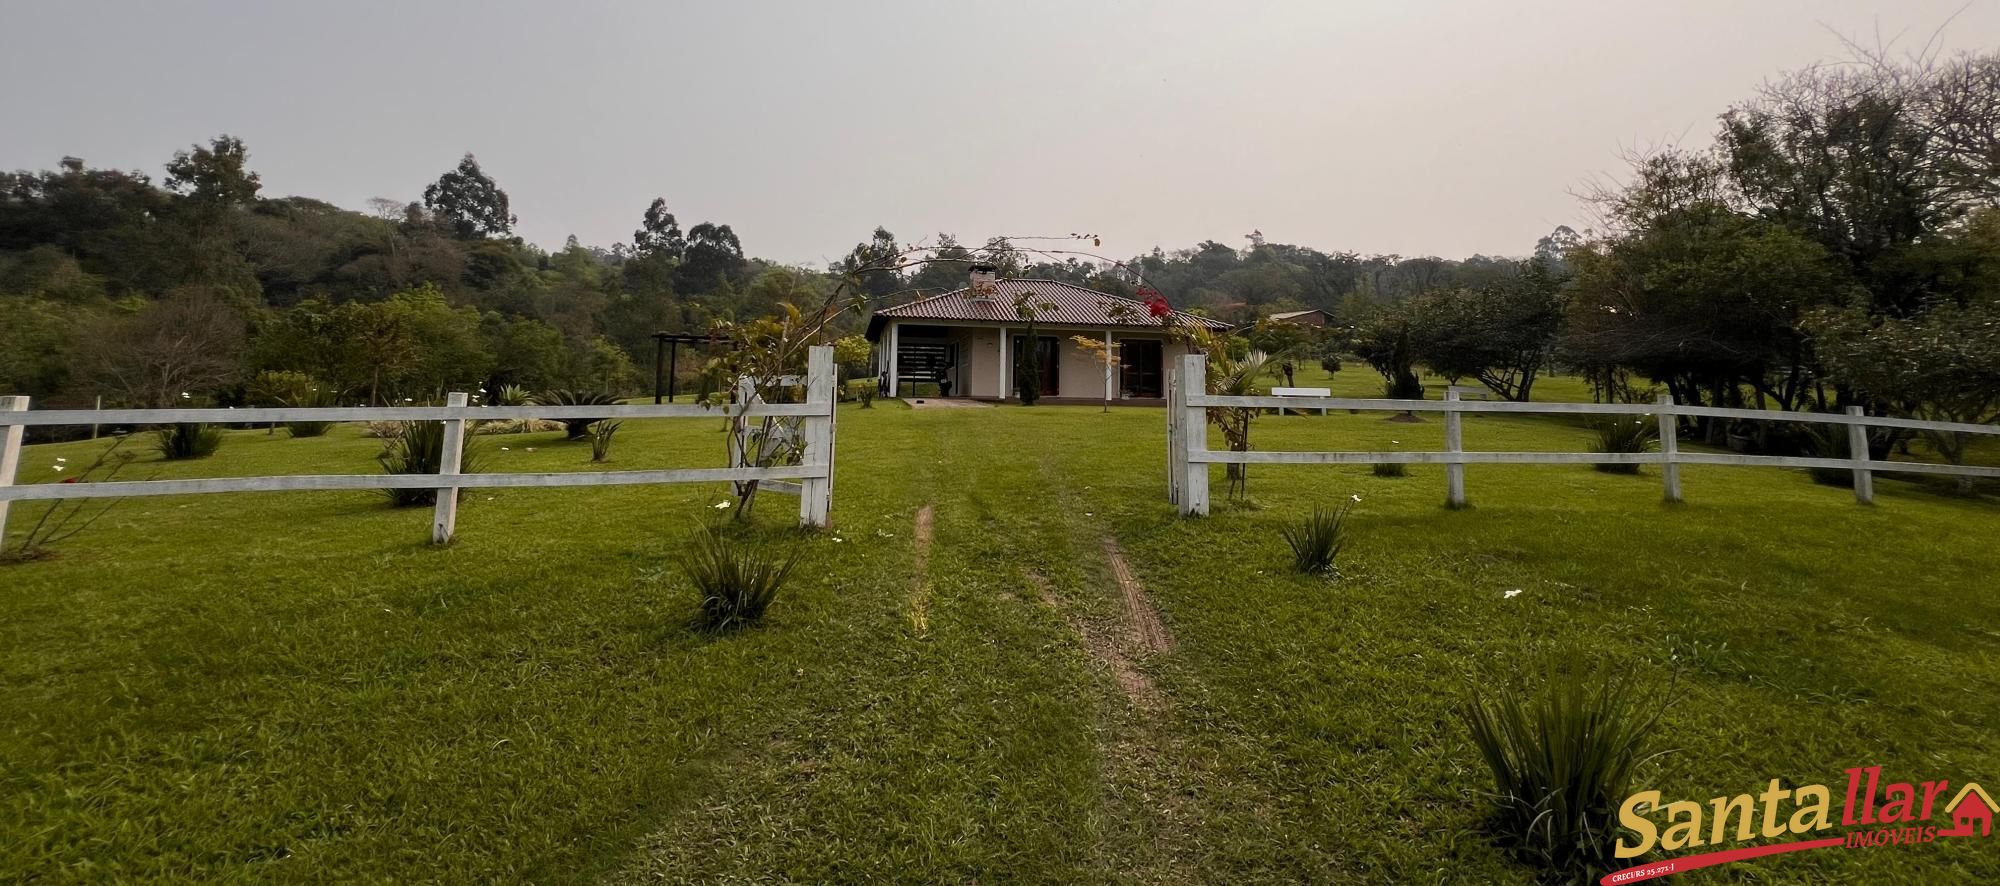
(1188,455)
(813,474)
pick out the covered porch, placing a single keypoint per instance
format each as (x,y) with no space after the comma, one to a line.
(979,360)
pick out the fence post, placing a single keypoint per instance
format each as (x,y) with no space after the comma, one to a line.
(1670,447)
(444,519)
(1454,442)
(816,493)
(1194,436)
(10,453)
(1174,454)
(1857,449)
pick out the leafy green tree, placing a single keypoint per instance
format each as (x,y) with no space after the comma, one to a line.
(467,202)
(713,256)
(1503,334)
(874,263)
(659,234)
(216,177)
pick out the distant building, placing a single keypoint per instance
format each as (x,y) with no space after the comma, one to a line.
(1314,317)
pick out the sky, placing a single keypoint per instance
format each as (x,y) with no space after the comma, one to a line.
(1415,128)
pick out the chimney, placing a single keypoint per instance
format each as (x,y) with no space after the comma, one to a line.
(985,281)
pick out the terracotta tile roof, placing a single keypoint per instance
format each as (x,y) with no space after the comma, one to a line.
(1059,304)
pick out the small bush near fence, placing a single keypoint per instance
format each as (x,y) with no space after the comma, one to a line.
(600,439)
(1625,433)
(1829,441)
(1562,760)
(575,428)
(737,581)
(418,448)
(186,440)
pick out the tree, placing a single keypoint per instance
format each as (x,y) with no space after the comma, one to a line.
(875,263)
(659,234)
(1943,365)
(214,178)
(1386,340)
(184,345)
(713,255)
(1503,334)
(468,203)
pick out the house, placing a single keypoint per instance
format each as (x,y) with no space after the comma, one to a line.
(1314,317)
(974,336)
(1971,813)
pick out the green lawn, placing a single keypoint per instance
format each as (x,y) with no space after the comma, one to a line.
(295,687)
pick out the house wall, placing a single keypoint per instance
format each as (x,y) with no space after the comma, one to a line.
(979,361)
(979,364)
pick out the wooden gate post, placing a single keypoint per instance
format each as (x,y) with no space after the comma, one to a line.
(1670,447)
(10,453)
(1175,456)
(1454,443)
(444,518)
(1857,449)
(1194,435)
(816,493)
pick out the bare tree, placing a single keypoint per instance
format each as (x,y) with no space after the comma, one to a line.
(188,342)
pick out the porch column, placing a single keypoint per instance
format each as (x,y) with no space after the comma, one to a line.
(895,390)
(1108,346)
(1005,364)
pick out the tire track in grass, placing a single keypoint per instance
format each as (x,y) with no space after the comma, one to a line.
(920,591)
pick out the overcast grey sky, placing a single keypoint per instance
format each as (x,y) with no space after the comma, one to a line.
(1415,128)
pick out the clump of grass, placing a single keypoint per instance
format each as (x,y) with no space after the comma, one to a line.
(1390,469)
(1562,760)
(1317,541)
(1624,433)
(737,581)
(186,440)
(867,394)
(418,448)
(600,439)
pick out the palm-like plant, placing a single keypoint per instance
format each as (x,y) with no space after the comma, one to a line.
(419,449)
(185,440)
(737,582)
(1234,377)
(1624,433)
(575,428)
(1316,542)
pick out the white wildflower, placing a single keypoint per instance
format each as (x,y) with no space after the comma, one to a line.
(1356,497)
(1512,594)
(59,467)
(722,504)
(60,459)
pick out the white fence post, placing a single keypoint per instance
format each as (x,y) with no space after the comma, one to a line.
(444,518)
(10,453)
(816,493)
(1857,449)
(1194,436)
(1454,442)
(1176,453)
(1670,447)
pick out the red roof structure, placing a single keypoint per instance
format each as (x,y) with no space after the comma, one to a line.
(1056,304)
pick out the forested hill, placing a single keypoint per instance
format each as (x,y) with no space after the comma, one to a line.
(114,284)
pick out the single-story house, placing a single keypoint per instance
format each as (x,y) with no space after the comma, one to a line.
(972,338)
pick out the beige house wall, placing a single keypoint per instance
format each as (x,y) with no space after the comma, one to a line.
(1082,377)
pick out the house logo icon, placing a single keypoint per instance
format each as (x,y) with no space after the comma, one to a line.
(1971,813)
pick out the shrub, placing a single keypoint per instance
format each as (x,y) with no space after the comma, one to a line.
(1317,541)
(185,440)
(1829,441)
(1330,363)
(312,397)
(867,393)
(1391,469)
(737,582)
(1562,760)
(418,448)
(600,439)
(575,428)
(63,519)
(1624,433)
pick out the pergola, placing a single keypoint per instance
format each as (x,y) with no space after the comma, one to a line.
(666,351)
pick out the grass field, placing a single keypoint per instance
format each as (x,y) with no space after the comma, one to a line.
(296,687)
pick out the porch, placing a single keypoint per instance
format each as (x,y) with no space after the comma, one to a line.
(980,362)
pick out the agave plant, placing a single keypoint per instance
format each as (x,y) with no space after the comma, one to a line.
(1563,758)
(1623,433)
(575,428)
(1317,541)
(737,581)
(1829,441)
(185,440)
(419,449)
(311,397)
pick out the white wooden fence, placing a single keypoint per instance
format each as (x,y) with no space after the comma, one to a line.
(815,470)
(1188,455)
